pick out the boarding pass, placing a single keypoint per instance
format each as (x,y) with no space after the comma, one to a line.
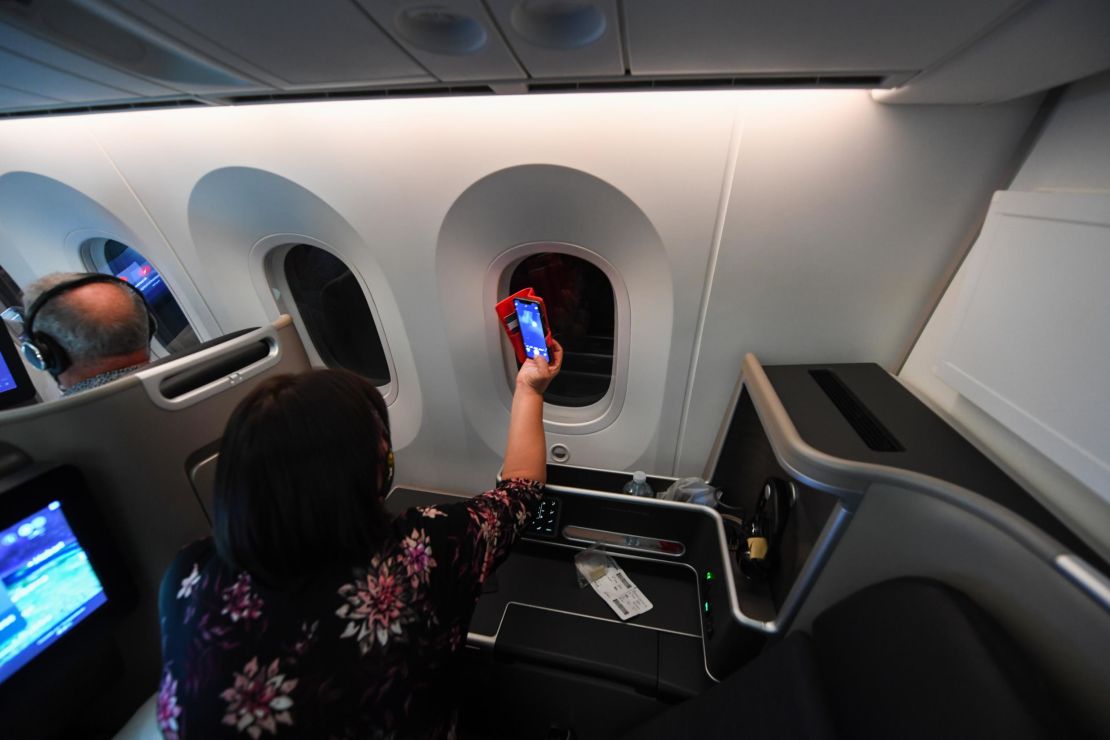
(612,584)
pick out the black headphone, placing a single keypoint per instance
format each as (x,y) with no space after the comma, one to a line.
(43,351)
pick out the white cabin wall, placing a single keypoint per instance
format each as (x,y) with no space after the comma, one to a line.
(394,170)
(801,225)
(842,218)
(1071,155)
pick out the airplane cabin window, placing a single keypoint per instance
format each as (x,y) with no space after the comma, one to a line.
(111,257)
(335,312)
(581,308)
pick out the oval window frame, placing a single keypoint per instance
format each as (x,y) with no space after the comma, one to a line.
(267,259)
(571,420)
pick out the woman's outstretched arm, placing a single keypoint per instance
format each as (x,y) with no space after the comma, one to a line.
(525,450)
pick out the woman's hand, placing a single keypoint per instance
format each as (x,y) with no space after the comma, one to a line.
(536,374)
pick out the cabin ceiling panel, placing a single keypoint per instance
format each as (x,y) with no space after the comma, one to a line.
(1046,45)
(754,36)
(35,49)
(287,43)
(35,79)
(81,31)
(112,53)
(12,98)
(560,39)
(455,40)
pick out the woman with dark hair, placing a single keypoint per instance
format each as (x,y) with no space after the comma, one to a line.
(311,612)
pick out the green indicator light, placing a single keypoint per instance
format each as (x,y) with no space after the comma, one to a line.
(709,575)
(707,607)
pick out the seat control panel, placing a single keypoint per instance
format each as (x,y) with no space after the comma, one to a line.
(545,523)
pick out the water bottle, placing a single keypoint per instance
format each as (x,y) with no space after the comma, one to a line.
(638,486)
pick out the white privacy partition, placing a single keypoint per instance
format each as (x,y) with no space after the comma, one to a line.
(1031,341)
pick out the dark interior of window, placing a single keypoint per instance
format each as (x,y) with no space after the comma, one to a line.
(174,332)
(335,312)
(580,307)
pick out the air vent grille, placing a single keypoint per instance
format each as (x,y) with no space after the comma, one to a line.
(105,108)
(391,92)
(867,426)
(704,83)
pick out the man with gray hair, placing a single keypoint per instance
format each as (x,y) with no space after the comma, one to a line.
(86,329)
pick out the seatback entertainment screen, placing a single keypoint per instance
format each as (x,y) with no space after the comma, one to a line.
(7,380)
(46,586)
(15,387)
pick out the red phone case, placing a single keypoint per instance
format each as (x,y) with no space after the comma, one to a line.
(506,314)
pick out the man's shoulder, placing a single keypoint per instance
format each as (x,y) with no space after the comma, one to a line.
(100,379)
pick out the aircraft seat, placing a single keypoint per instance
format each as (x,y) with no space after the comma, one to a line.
(906,658)
(133,440)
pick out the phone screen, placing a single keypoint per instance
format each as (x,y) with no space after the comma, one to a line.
(532,330)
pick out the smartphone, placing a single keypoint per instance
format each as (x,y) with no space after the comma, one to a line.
(533,331)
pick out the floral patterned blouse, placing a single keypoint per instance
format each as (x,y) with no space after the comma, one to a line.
(359,652)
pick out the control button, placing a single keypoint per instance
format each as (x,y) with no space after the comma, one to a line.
(545,522)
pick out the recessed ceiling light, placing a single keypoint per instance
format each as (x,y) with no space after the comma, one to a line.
(558,24)
(440,31)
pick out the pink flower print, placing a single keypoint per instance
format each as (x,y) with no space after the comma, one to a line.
(188,583)
(430,512)
(308,637)
(240,602)
(489,529)
(259,700)
(485,518)
(211,629)
(168,711)
(416,556)
(376,606)
(489,556)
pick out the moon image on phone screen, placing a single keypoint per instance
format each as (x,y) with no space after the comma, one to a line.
(531,329)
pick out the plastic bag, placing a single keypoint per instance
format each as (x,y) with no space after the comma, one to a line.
(591,564)
(694,491)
